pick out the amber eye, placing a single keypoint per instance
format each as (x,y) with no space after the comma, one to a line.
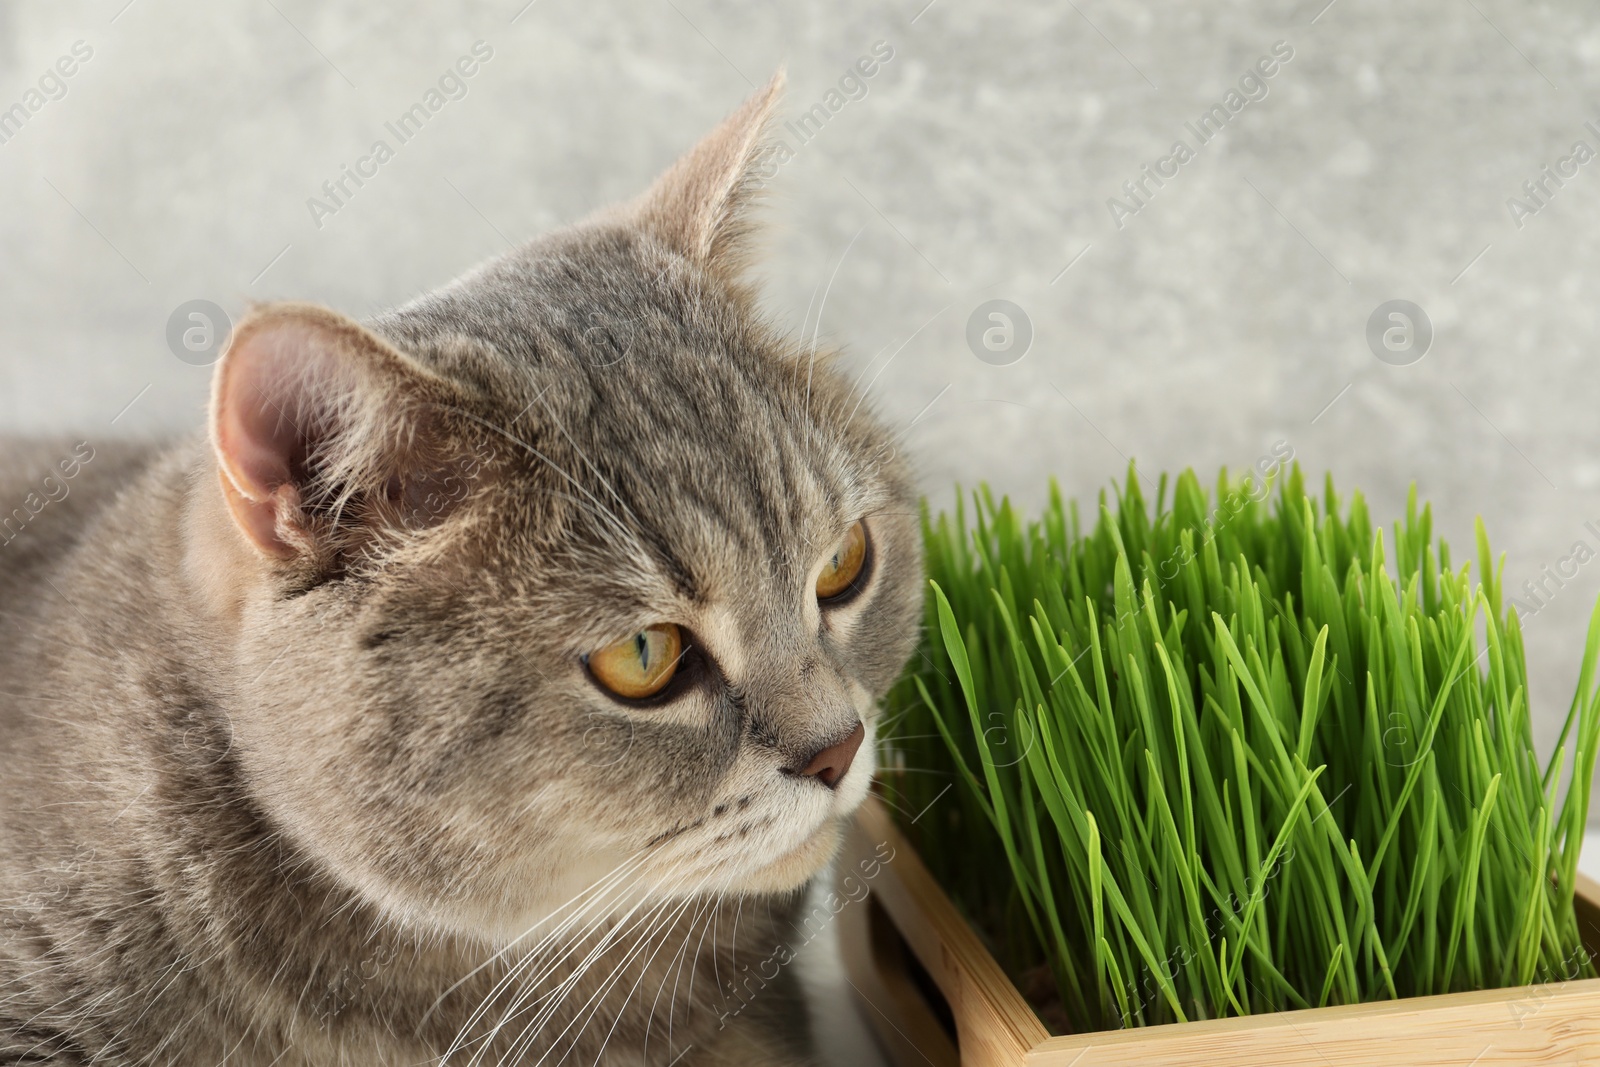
(844,566)
(639,666)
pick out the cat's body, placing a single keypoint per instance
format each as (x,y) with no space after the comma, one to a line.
(303,756)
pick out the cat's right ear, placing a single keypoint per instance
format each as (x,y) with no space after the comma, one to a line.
(311,416)
(702,205)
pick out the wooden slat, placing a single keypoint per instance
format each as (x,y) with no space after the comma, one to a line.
(1557,1023)
(994,1024)
(1549,1024)
(874,959)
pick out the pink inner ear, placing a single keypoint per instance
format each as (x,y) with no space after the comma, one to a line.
(266,405)
(299,383)
(277,390)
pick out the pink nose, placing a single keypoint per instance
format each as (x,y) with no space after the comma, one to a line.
(830,765)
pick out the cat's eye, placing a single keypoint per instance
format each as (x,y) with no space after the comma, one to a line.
(639,666)
(843,569)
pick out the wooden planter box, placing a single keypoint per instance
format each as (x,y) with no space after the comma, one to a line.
(938,998)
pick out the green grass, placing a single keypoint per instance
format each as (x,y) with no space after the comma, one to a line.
(1213,760)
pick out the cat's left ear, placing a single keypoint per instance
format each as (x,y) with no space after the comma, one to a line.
(322,431)
(701,206)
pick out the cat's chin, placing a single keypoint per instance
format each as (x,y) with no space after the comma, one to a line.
(797,867)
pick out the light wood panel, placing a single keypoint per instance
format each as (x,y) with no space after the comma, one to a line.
(1530,1025)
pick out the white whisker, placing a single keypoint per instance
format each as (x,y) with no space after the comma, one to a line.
(589,898)
(811,365)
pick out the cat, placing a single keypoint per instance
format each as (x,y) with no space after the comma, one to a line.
(479,687)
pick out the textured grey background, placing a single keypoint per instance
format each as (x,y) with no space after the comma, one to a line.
(1226,315)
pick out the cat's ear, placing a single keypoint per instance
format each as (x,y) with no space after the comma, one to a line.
(312,418)
(701,206)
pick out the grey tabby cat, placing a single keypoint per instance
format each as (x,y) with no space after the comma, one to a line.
(478,690)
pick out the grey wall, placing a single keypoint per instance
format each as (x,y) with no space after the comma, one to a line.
(1225,315)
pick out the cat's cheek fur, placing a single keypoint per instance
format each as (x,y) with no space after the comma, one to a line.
(795,868)
(769,833)
(218,566)
(816,847)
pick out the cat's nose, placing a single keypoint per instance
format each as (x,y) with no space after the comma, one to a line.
(829,765)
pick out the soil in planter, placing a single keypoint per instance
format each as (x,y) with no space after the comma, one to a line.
(1236,753)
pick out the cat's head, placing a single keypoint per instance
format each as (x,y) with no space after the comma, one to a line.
(572,569)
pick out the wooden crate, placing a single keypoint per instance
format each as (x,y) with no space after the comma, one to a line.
(938,998)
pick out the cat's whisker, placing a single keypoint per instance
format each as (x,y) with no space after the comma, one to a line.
(583,897)
(562,933)
(528,989)
(694,972)
(550,413)
(557,997)
(887,799)
(885,724)
(597,1000)
(862,393)
(675,973)
(817,329)
(707,903)
(615,521)
(733,940)
(644,972)
(585,506)
(868,366)
(509,980)
(805,320)
(716,957)
(589,898)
